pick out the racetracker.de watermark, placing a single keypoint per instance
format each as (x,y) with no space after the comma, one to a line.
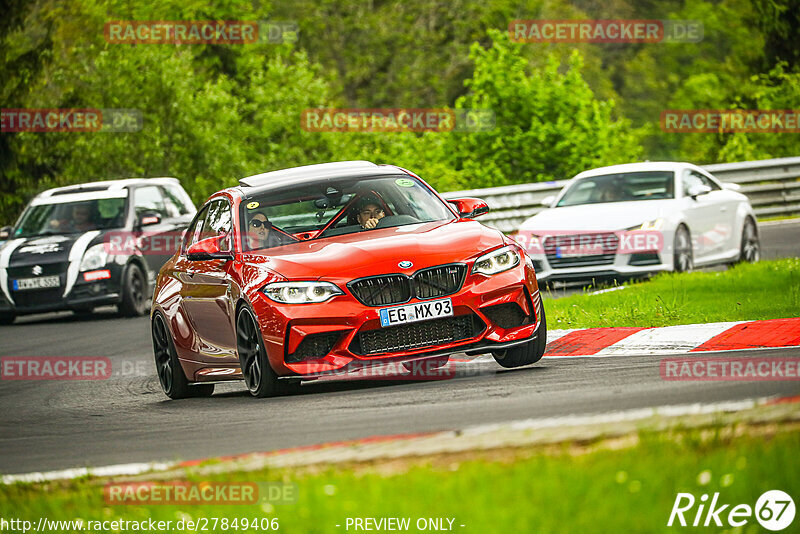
(72,368)
(70,120)
(199,32)
(568,243)
(199,493)
(397,120)
(709,369)
(605,31)
(730,120)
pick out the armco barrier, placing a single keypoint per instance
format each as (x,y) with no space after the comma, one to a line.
(773,186)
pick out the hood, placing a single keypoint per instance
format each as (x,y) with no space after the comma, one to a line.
(374,252)
(598,217)
(45,249)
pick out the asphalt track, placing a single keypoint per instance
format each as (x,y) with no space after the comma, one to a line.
(47,425)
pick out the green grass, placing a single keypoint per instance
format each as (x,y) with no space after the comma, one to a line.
(565,488)
(764,290)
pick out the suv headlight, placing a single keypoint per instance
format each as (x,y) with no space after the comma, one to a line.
(301,292)
(94,258)
(496,261)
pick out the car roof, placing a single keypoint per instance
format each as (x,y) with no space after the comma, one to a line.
(673,166)
(105,186)
(310,174)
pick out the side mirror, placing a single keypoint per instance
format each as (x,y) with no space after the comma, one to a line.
(148,218)
(208,249)
(699,189)
(547,201)
(727,185)
(469,208)
(5,232)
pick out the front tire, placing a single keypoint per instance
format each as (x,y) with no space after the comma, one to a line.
(134,292)
(170,373)
(683,258)
(750,248)
(528,353)
(260,378)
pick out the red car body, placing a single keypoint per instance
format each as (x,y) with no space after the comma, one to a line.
(198,299)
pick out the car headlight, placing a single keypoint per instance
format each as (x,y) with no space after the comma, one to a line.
(496,261)
(94,258)
(655,224)
(301,292)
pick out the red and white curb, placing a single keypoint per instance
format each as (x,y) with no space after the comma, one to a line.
(479,437)
(737,335)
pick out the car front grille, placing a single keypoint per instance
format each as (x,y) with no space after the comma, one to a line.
(48,269)
(428,283)
(582,250)
(382,290)
(417,335)
(439,281)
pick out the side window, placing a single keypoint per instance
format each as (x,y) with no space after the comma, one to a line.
(218,222)
(193,232)
(149,198)
(707,181)
(174,202)
(690,179)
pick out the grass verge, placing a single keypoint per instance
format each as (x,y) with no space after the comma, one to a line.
(613,485)
(764,290)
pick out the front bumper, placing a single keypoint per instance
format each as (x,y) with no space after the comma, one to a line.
(622,266)
(83,294)
(480,307)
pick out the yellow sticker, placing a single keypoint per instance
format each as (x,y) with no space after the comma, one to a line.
(252,205)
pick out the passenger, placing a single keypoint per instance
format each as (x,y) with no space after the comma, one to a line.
(258,232)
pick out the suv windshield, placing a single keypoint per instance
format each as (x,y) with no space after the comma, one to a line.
(621,187)
(337,207)
(72,217)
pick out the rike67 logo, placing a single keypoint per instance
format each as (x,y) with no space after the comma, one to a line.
(774,510)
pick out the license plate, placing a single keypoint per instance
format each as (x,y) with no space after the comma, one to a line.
(37,283)
(411,313)
(576,252)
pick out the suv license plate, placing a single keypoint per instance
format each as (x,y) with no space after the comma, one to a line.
(37,283)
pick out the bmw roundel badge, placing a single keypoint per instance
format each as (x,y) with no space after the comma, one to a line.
(405,264)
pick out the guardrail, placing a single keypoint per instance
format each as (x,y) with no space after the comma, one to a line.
(773,186)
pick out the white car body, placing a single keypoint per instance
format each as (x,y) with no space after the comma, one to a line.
(715,221)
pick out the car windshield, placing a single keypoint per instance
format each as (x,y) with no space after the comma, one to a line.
(620,187)
(71,217)
(337,207)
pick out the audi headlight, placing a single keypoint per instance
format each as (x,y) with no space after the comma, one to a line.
(655,224)
(496,261)
(301,292)
(94,258)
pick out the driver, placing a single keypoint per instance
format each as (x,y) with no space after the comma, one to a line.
(612,192)
(369,213)
(81,218)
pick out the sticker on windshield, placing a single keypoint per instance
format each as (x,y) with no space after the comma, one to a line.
(252,205)
(404,182)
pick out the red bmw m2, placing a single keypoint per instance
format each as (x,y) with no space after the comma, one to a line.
(303,272)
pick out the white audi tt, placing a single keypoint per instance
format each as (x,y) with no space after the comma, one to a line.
(640,218)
